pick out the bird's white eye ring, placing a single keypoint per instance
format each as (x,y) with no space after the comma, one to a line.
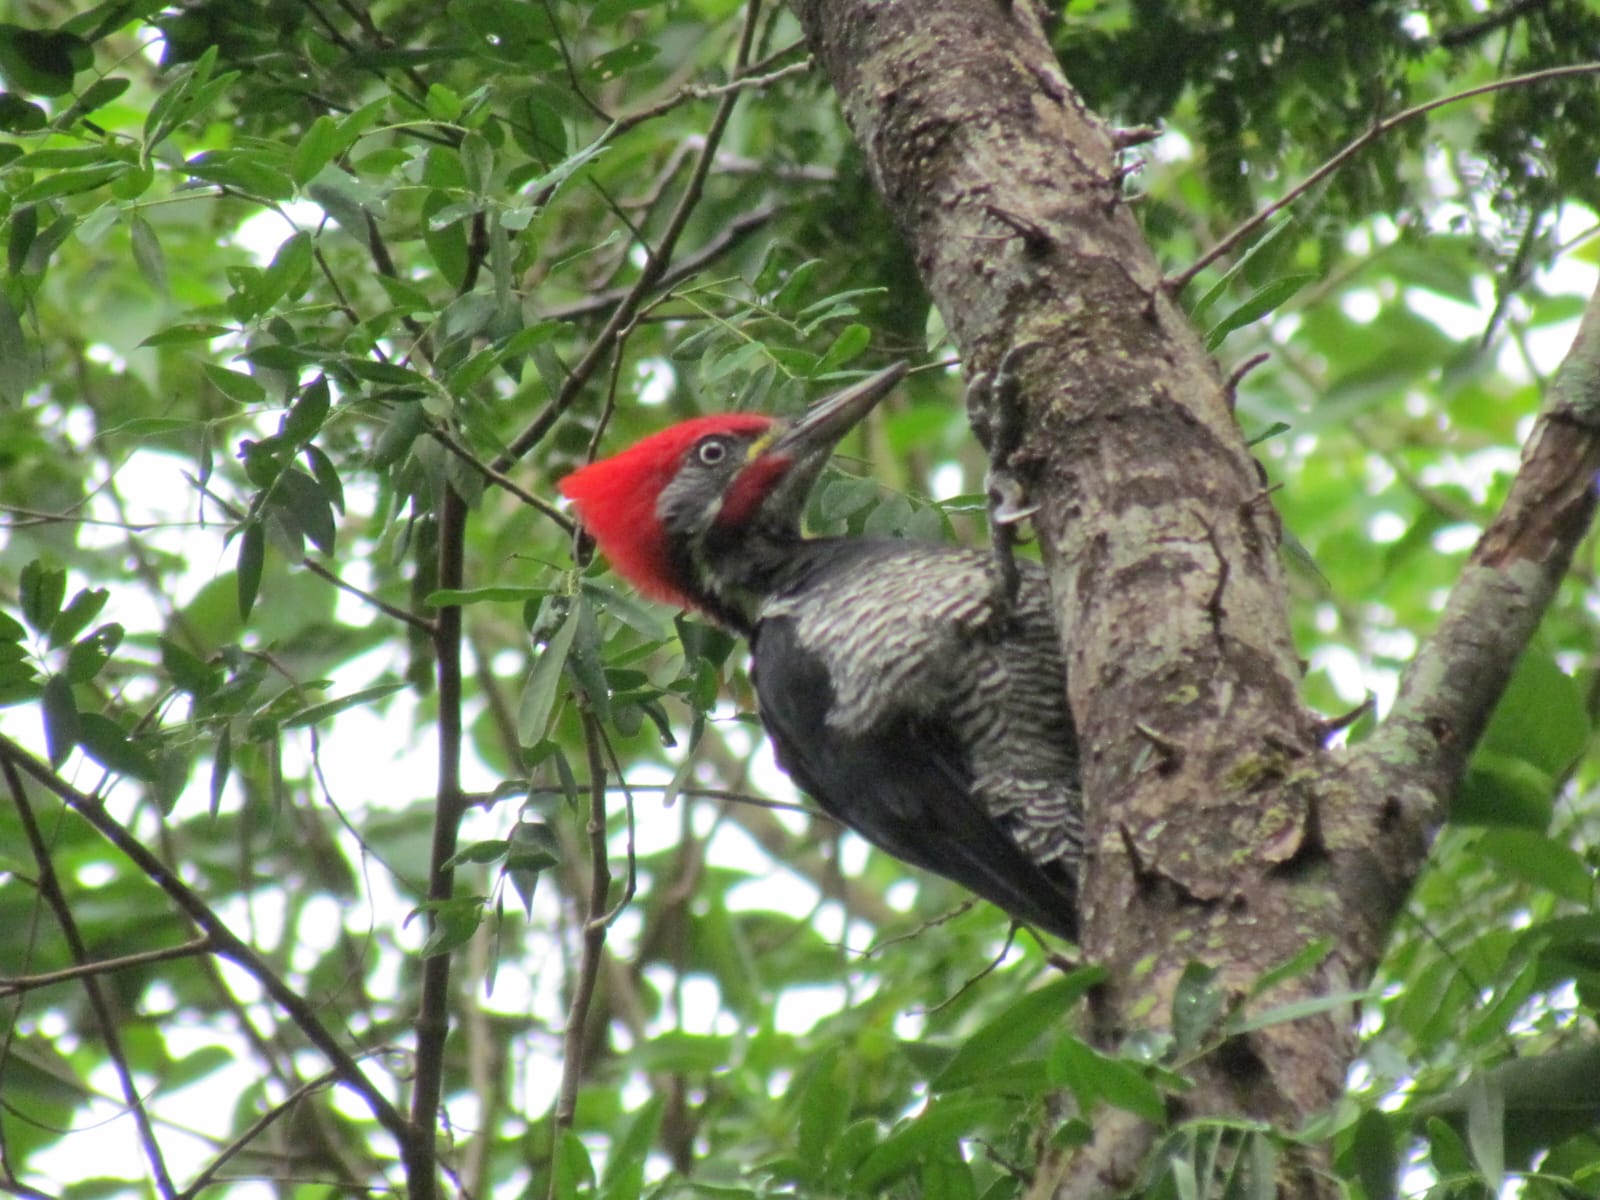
(711,451)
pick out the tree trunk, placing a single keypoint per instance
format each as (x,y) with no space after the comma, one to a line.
(1223,840)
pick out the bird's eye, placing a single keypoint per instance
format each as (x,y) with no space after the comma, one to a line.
(711,451)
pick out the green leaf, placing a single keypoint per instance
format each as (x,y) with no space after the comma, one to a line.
(454,922)
(21,116)
(1538,860)
(43,589)
(313,511)
(616,63)
(442,103)
(221,763)
(1377,1161)
(11,629)
(108,744)
(477,162)
(235,385)
(1486,1129)
(71,182)
(186,333)
(315,149)
(1296,965)
(1197,313)
(1295,1010)
(1196,1007)
(1498,790)
(19,684)
(191,93)
(60,719)
(1540,716)
(479,852)
(317,713)
(1447,1151)
(843,498)
(538,699)
(574,1172)
(327,477)
(534,849)
(75,617)
(1257,306)
(851,342)
(304,418)
(825,1101)
(252,557)
(86,658)
(42,61)
(352,204)
(1093,1076)
(42,250)
(97,95)
(923,1136)
(147,253)
(889,518)
(446,244)
(18,365)
(406,422)
(287,274)
(1007,1035)
(627,1156)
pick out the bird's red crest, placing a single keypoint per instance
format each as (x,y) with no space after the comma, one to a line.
(616,500)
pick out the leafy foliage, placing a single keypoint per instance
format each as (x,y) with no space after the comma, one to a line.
(281,278)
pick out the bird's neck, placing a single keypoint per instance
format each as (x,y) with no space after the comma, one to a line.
(735,572)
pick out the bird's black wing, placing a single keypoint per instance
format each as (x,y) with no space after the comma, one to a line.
(903,785)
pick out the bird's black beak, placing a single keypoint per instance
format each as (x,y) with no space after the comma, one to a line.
(783,467)
(814,433)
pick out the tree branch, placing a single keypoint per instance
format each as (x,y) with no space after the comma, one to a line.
(1452,685)
(650,275)
(1178,282)
(433,1014)
(14,985)
(110,1027)
(594,944)
(735,232)
(228,944)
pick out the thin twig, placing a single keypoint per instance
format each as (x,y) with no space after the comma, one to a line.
(736,231)
(228,944)
(13,985)
(433,1014)
(49,887)
(968,984)
(34,516)
(421,624)
(631,882)
(1509,14)
(1176,283)
(503,481)
(254,1130)
(594,944)
(697,793)
(650,275)
(764,64)
(704,91)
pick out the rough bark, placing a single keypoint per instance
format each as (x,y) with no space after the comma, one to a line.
(1219,829)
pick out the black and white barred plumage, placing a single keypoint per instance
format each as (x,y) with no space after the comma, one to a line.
(921,710)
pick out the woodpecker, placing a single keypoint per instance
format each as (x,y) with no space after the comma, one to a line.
(917,702)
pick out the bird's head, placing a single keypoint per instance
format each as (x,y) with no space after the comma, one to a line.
(655,507)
